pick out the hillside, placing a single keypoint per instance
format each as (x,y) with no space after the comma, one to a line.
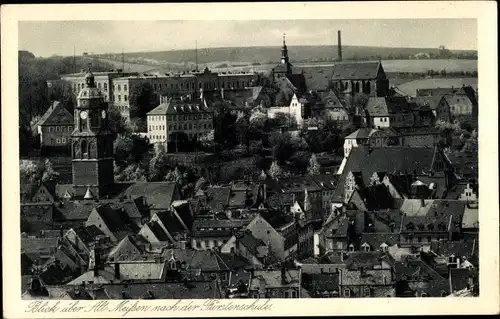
(272,54)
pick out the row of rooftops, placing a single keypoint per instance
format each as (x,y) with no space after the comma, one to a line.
(134,75)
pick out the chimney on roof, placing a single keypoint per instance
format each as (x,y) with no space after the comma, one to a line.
(339,45)
(283,275)
(117,270)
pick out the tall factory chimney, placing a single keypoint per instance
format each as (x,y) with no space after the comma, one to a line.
(339,45)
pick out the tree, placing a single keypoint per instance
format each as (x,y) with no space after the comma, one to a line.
(30,171)
(142,99)
(49,175)
(158,165)
(314,166)
(275,170)
(262,175)
(200,184)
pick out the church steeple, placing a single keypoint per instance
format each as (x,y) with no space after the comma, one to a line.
(284,52)
(91,143)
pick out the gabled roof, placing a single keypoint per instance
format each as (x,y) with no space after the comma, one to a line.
(159,195)
(356,70)
(171,223)
(273,279)
(126,249)
(56,114)
(362,133)
(383,106)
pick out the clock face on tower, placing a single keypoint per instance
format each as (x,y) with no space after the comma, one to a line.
(103,114)
(83,115)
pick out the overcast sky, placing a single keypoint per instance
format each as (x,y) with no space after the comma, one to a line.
(58,37)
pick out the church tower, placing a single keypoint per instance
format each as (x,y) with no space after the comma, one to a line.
(284,53)
(91,144)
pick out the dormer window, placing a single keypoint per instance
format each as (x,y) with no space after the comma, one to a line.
(351,247)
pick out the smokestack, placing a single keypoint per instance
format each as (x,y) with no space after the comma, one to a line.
(339,45)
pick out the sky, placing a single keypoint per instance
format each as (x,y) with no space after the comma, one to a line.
(46,38)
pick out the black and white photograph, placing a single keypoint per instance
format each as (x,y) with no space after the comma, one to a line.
(248,159)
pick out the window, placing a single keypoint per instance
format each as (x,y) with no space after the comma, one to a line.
(124,87)
(63,140)
(119,98)
(58,141)
(347,292)
(119,87)
(367,291)
(155,86)
(105,86)
(125,98)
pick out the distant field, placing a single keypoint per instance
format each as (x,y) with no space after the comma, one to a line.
(411,66)
(302,53)
(412,86)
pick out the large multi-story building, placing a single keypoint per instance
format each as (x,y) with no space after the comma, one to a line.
(179,119)
(180,83)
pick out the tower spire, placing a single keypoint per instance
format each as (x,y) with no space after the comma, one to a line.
(284,52)
(196,53)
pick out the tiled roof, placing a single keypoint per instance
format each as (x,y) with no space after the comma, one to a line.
(36,244)
(371,277)
(158,194)
(126,249)
(75,210)
(431,101)
(458,100)
(104,276)
(317,80)
(157,230)
(367,161)
(218,197)
(355,260)
(88,234)
(377,239)
(355,70)
(436,91)
(249,241)
(231,261)
(406,131)
(471,217)
(140,270)
(458,248)
(190,290)
(185,211)
(171,223)
(361,133)
(56,114)
(206,260)
(180,107)
(326,181)
(383,106)
(460,276)
(318,283)
(272,279)
(117,221)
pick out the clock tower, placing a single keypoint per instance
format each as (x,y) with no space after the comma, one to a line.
(91,144)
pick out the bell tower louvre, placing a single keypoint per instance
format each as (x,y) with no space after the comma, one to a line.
(91,144)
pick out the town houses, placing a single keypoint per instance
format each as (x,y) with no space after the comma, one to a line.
(398,217)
